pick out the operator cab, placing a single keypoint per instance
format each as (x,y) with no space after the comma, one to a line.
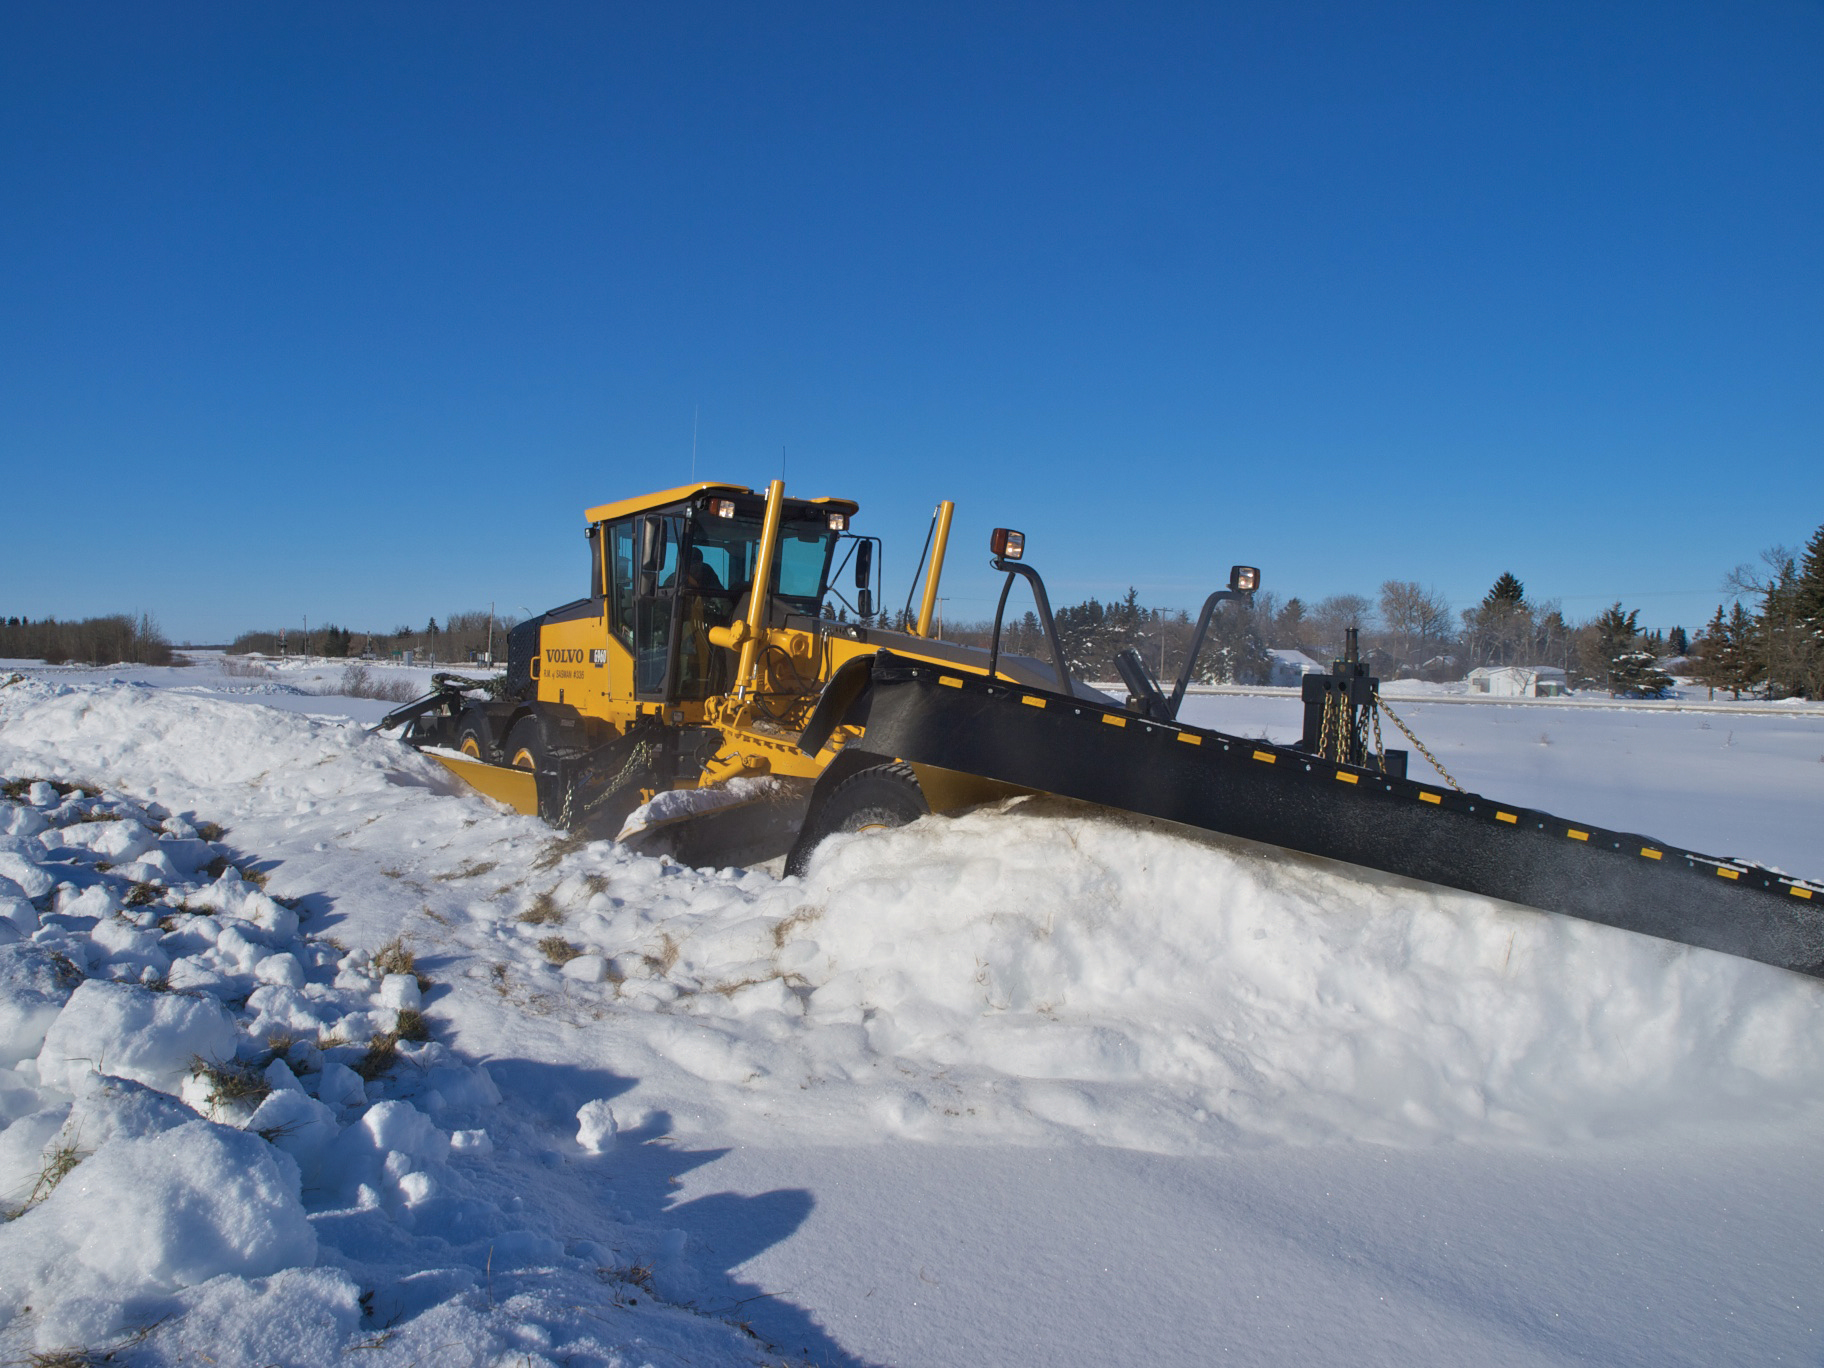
(672,566)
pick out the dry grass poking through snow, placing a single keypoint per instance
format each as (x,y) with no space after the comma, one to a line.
(468,869)
(396,957)
(543,912)
(58,1165)
(143,894)
(231,1083)
(558,950)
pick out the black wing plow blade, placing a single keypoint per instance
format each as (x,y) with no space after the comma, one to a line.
(1289,798)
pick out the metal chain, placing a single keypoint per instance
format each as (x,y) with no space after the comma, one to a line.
(1421,748)
(1332,723)
(1380,751)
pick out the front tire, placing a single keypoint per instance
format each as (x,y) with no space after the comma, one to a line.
(526,746)
(875,799)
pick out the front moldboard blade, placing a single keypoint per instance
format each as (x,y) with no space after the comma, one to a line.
(1285,797)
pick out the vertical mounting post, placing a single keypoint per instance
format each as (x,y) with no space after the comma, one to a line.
(942,539)
(760,593)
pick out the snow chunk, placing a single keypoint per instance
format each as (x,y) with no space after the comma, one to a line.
(16,911)
(400,992)
(401,1126)
(148,1216)
(476,1144)
(116,842)
(20,821)
(341,1086)
(132,1032)
(595,1127)
(586,969)
(20,862)
(34,985)
(299,1125)
(283,970)
(231,897)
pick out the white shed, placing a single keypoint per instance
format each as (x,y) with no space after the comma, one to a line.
(1518,681)
(1291,666)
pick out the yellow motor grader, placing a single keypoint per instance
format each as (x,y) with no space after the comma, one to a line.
(673,675)
(702,689)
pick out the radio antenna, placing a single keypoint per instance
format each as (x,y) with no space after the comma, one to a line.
(693,443)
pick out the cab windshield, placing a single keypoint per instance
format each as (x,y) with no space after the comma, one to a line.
(722,552)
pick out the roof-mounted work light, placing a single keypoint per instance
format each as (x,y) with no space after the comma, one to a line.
(1244,579)
(1007,544)
(839,522)
(722,508)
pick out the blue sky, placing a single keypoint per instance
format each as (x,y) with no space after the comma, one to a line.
(349,310)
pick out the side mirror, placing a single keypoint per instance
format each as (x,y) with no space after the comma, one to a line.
(1244,579)
(864,564)
(1007,544)
(864,603)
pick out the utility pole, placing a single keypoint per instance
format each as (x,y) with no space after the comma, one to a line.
(693,466)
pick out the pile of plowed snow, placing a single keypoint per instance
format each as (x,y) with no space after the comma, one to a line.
(1032,972)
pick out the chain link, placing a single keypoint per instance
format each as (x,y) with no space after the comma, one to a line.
(1420,745)
(1330,735)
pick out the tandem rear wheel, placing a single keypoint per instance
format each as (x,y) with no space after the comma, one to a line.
(474,738)
(875,799)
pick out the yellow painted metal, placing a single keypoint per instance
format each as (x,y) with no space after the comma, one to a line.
(940,541)
(514,787)
(608,512)
(761,594)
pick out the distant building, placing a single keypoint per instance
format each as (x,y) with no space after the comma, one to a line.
(1518,681)
(1291,666)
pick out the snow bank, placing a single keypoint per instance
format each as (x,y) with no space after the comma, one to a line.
(127,1031)
(147,1216)
(201,1101)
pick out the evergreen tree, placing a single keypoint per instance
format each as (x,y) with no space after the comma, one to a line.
(1747,658)
(1615,633)
(1507,592)
(1289,627)
(1634,673)
(1678,643)
(1713,654)
(1500,629)
(1808,609)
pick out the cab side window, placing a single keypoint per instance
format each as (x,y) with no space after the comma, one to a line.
(620,569)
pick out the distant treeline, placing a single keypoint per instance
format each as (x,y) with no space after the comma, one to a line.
(460,637)
(1770,644)
(110,640)
(1774,648)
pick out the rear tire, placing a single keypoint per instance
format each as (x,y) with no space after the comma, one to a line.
(876,799)
(474,738)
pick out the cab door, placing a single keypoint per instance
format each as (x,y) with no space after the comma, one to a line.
(650,605)
(622,562)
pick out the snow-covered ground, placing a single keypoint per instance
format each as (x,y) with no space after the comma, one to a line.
(1031,1085)
(313,685)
